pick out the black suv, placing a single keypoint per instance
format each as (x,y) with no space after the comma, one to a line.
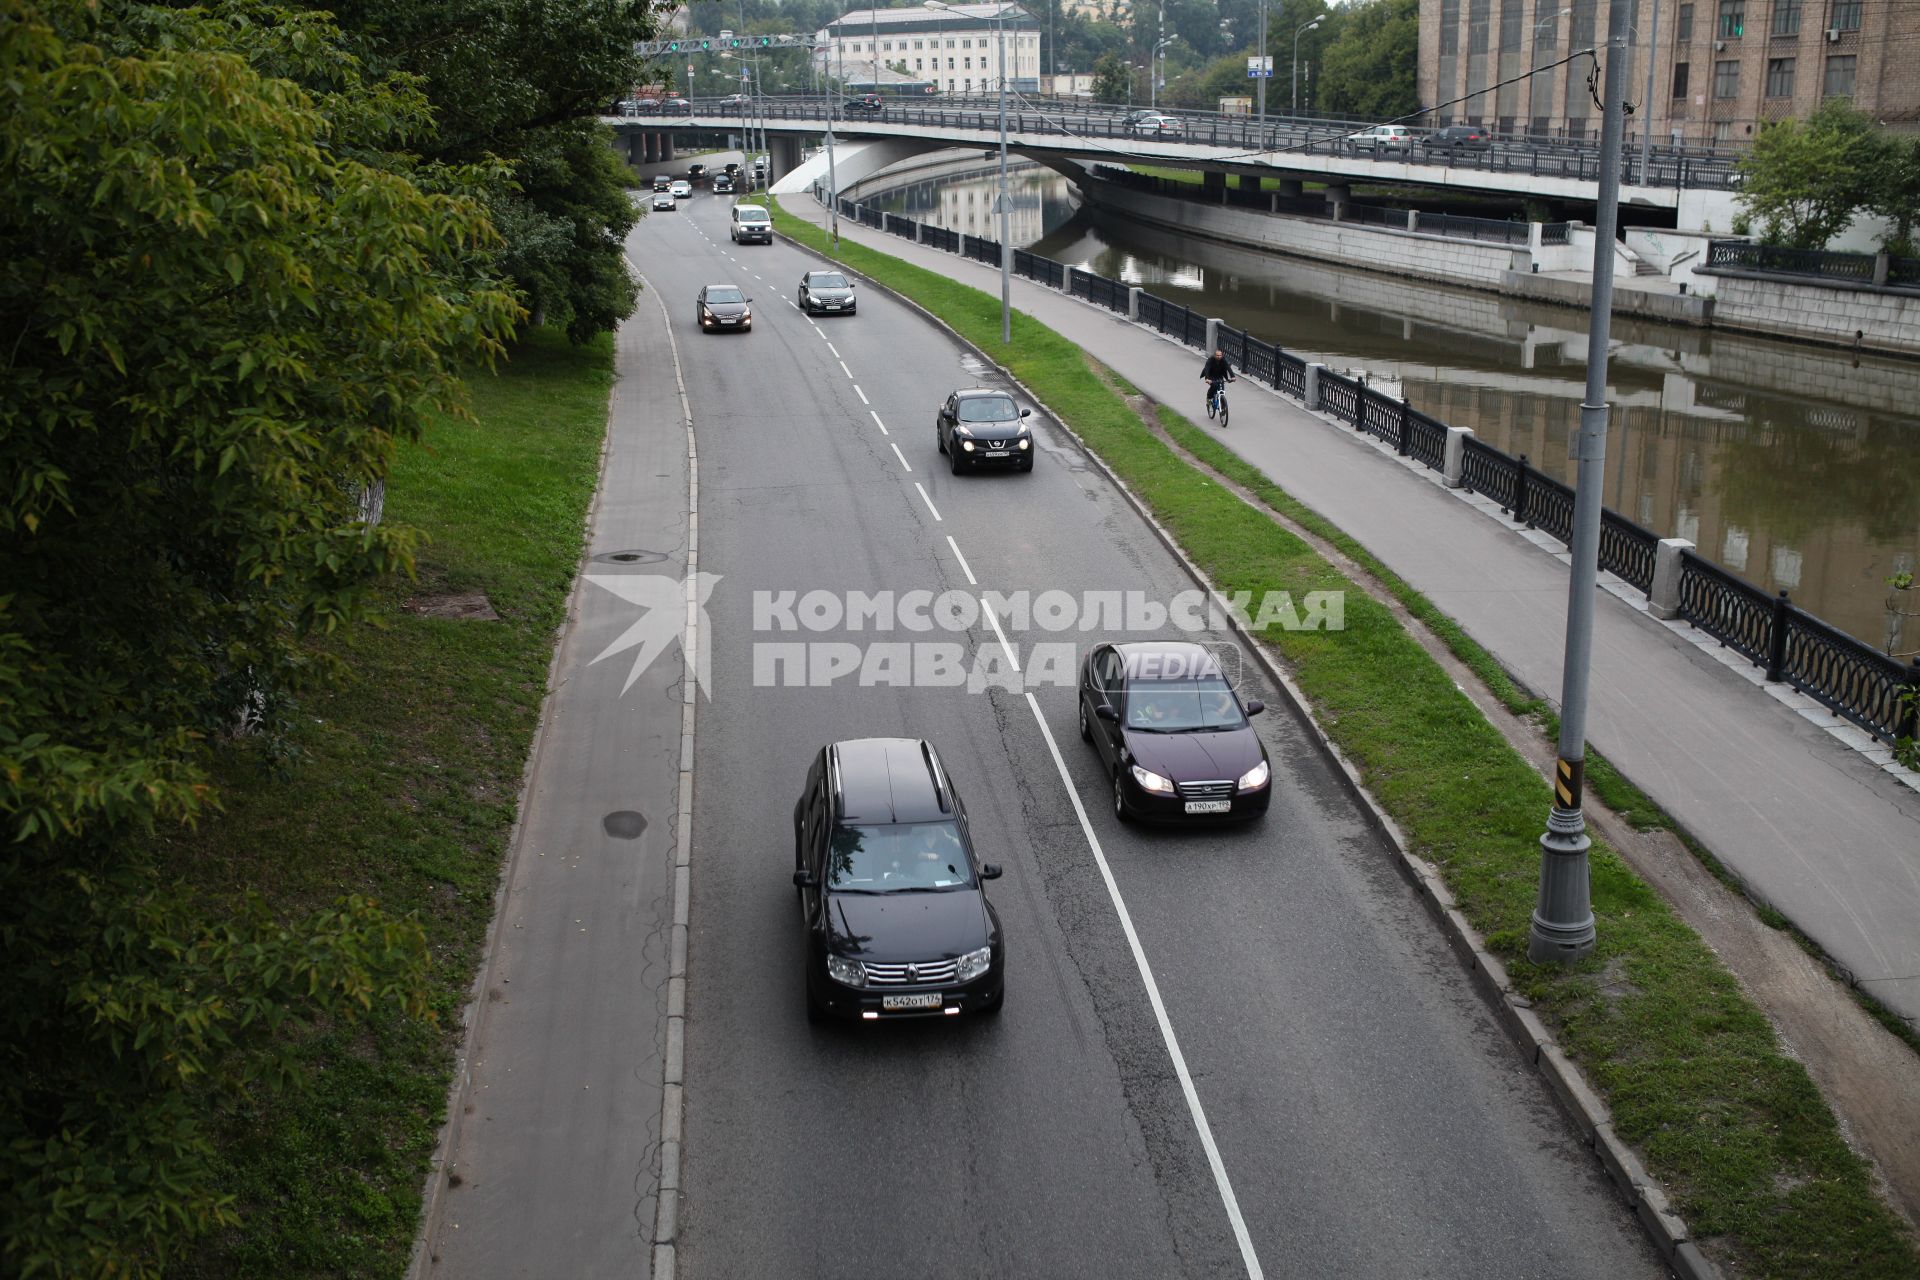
(898,924)
(866,104)
(982,427)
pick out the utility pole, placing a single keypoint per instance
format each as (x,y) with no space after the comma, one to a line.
(1260,84)
(1562,927)
(833,189)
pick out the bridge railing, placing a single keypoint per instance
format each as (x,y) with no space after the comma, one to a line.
(1849,677)
(1856,268)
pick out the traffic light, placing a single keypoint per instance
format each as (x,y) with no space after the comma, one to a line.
(766,41)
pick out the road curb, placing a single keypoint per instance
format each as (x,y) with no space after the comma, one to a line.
(1582,1103)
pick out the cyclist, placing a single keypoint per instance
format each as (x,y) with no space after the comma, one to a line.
(1217,372)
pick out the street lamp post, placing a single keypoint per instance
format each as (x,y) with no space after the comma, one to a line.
(1533,60)
(1297,33)
(1003,201)
(1562,925)
(1646,122)
(1156,71)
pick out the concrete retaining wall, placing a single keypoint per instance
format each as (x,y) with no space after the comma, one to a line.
(1405,253)
(1838,313)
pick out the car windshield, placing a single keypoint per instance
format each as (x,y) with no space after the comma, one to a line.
(988,409)
(1182,706)
(826,280)
(750,213)
(904,857)
(728,294)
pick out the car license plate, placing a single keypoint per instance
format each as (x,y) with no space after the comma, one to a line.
(997,453)
(931,1000)
(728,320)
(1209,806)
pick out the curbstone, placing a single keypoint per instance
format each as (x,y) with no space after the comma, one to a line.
(1582,1104)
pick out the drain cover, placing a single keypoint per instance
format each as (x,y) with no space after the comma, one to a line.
(631,557)
(624,824)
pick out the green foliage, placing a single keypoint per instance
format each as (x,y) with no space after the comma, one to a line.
(1110,79)
(563,224)
(1895,193)
(227,299)
(1369,68)
(1803,181)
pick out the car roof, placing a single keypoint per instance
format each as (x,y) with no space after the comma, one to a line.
(969,392)
(888,780)
(1169,660)
(749,208)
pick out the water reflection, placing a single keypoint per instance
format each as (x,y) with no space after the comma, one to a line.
(1795,466)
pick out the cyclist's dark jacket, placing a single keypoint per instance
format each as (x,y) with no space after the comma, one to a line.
(1217,369)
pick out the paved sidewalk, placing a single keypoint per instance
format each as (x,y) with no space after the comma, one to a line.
(1814,827)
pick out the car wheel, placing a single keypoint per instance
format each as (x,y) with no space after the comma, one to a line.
(1086,735)
(1120,799)
(953,460)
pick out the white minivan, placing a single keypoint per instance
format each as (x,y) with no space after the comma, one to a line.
(750,223)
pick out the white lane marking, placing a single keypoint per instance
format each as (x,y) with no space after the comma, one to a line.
(994,622)
(816,327)
(909,467)
(876,419)
(832,348)
(861,394)
(843,366)
(790,302)
(929,501)
(1247,1254)
(964,566)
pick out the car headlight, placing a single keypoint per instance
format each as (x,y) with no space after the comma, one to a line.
(967,445)
(974,963)
(1026,442)
(1256,777)
(1151,781)
(846,972)
(747,314)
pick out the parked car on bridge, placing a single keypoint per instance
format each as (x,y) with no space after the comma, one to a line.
(676,107)
(645,107)
(864,104)
(627,107)
(1154,125)
(1384,137)
(1458,137)
(1172,734)
(735,102)
(892,894)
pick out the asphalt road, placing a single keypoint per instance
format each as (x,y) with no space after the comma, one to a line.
(1370,1118)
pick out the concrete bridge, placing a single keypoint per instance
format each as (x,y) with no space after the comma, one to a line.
(1698,186)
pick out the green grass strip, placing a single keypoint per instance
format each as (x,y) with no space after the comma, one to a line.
(1696,1081)
(405,788)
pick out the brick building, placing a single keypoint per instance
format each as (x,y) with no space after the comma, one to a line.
(1722,67)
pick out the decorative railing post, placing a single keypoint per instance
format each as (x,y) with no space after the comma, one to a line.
(1663,599)
(1406,428)
(1520,492)
(1777,638)
(1454,460)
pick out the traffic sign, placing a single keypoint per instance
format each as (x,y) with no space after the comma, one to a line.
(1260,68)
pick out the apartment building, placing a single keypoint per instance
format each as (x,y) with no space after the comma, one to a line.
(954,49)
(1722,68)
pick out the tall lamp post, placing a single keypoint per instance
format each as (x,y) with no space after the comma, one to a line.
(1562,925)
(1297,33)
(1156,72)
(1002,200)
(1533,60)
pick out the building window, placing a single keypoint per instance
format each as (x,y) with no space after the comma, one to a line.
(1840,75)
(1478,12)
(1733,18)
(917,64)
(1786,17)
(1846,15)
(969,62)
(1449,27)
(1779,77)
(949,64)
(1510,26)
(1686,24)
(1726,79)
(1679,80)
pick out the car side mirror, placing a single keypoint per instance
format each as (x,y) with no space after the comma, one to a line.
(1255,706)
(1026,413)
(803,879)
(1105,712)
(989,871)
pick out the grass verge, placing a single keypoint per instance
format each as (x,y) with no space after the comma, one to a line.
(404,789)
(1696,1081)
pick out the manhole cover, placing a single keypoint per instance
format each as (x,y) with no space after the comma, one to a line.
(624,824)
(631,557)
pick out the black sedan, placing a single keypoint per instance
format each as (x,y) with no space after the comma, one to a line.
(1172,735)
(982,427)
(723,306)
(898,923)
(826,291)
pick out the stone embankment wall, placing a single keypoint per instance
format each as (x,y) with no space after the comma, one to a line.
(1877,319)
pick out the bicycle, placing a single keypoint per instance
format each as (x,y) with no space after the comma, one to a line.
(1217,400)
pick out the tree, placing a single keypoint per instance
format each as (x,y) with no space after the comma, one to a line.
(1112,79)
(1896,193)
(226,300)
(1370,68)
(1803,181)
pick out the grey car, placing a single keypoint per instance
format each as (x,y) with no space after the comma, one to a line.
(722,307)
(826,291)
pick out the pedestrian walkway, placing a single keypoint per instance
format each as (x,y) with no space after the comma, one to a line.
(1812,826)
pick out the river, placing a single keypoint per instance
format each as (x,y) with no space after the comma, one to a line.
(1796,466)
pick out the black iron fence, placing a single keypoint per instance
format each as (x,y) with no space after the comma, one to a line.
(1853,680)
(1854,268)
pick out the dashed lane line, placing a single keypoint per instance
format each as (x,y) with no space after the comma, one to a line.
(964,566)
(929,501)
(863,395)
(876,420)
(909,467)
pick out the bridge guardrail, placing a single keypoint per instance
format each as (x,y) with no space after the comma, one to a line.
(1843,674)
